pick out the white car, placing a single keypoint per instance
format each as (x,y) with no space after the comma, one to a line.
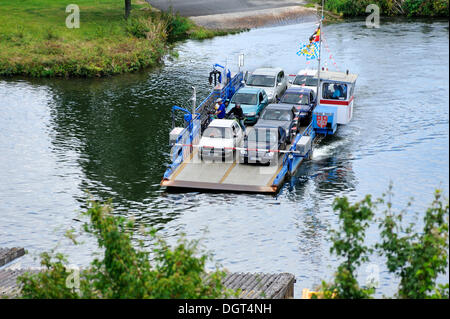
(219,140)
(272,80)
(306,78)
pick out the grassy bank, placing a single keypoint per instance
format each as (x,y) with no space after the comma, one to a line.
(410,8)
(34,39)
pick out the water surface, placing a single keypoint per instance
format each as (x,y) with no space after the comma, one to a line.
(62,141)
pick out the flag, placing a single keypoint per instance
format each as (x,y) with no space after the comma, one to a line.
(316,36)
(311,51)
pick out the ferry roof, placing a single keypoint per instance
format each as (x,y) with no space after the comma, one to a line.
(338,76)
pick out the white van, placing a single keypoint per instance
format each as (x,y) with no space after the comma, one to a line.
(306,78)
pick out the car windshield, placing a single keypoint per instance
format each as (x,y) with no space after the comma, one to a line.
(261,80)
(262,136)
(244,98)
(217,132)
(295,98)
(307,80)
(277,115)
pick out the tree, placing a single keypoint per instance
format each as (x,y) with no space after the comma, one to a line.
(127,8)
(348,243)
(416,257)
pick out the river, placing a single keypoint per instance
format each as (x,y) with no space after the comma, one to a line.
(62,141)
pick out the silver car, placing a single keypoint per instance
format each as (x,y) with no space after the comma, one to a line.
(272,80)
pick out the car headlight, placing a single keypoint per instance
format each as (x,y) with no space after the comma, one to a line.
(251,114)
(270,94)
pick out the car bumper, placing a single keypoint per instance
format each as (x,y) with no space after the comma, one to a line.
(261,158)
(215,153)
(250,119)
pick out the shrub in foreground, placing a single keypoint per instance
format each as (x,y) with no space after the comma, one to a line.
(125,271)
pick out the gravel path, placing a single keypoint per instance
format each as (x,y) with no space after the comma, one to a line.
(210,7)
(238,14)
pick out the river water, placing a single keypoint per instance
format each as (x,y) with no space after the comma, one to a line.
(62,141)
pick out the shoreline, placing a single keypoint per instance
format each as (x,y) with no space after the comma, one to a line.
(254,19)
(106,44)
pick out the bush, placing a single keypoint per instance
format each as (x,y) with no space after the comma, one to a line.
(124,271)
(425,8)
(416,257)
(137,28)
(348,243)
(429,8)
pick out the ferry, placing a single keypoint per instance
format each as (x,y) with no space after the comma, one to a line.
(188,170)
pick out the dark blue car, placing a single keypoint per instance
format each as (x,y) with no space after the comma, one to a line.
(303,99)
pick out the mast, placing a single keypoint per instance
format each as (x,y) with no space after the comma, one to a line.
(320,53)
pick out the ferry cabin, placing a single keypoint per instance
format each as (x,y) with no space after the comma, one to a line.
(336,89)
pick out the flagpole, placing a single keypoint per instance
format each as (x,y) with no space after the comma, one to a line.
(320,53)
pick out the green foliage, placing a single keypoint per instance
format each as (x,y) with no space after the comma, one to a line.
(125,271)
(417,258)
(137,28)
(424,8)
(34,40)
(348,243)
(50,284)
(177,26)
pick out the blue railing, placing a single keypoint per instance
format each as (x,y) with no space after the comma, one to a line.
(290,158)
(193,129)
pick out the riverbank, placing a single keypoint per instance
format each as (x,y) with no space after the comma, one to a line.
(35,41)
(240,14)
(409,8)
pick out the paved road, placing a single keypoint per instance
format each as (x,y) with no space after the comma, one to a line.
(209,7)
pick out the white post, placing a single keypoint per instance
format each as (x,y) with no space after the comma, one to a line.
(194,100)
(320,53)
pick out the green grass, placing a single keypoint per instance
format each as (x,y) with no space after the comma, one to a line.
(34,39)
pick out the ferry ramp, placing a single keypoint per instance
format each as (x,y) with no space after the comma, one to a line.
(229,175)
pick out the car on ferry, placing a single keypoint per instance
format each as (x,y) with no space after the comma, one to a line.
(306,78)
(303,99)
(261,145)
(280,115)
(219,140)
(252,101)
(272,80)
